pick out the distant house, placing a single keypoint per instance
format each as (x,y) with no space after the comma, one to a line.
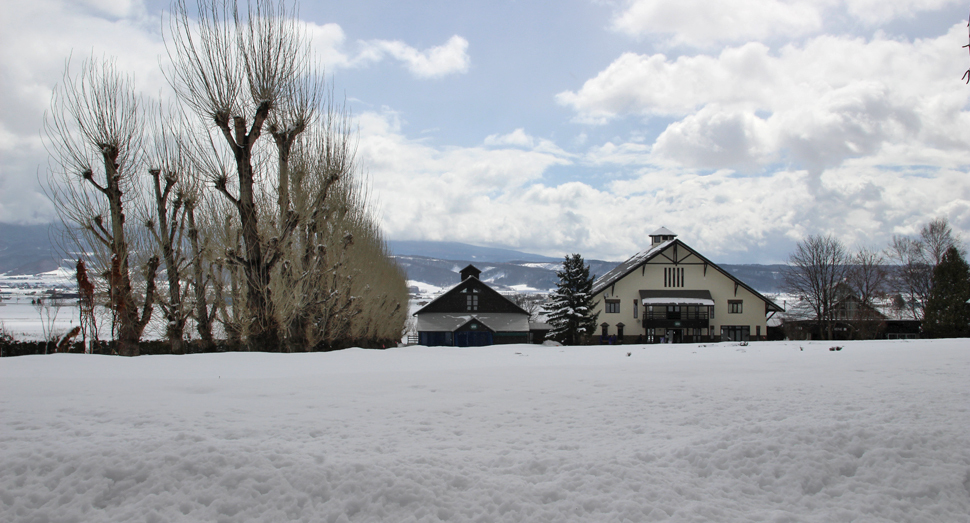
(471,314)
(853,319)
(670,293)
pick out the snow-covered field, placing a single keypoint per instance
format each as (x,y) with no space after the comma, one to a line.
(879,431)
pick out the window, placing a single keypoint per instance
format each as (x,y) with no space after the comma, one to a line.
(612,306)
(735,333)
(734,306)
(636,309)
(673,276)
(606,329)
(472,302)
(619,331)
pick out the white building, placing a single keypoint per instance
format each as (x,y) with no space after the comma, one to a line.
(670,293)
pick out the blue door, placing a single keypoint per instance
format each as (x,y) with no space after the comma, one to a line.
(473,338)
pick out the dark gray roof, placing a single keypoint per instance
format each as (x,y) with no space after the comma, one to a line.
(624,268)
(449,322)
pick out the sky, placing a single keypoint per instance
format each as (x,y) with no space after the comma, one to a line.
(580,126)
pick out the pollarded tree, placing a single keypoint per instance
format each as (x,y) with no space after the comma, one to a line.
(570,312)
(173,187)
(235,71)
(947,311)
(95,130)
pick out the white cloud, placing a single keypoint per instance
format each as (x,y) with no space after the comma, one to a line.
(329,44)
(701,23)
(714,137)
(517,138)
(874,12)
(504,195)
(819,103)
(438,61)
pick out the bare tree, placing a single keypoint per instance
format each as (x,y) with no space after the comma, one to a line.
(233,70)
(202,271)
(87,316)
(815,270)
(868,279)
(531,303)
(166,216)
(937,237)
(48,308)
(95,132)
(914,260)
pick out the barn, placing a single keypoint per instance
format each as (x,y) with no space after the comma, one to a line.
(471,314)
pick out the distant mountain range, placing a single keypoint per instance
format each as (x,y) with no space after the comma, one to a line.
(542,276)
(27,249)
(463,251)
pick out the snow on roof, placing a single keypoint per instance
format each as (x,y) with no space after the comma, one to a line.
(670,297)
(663,231)
(620,270)
(450,321)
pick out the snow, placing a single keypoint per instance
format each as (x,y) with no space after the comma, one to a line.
(550,266)
(23,320)
(772,431)
(675,301)
(426,289)
(526,289)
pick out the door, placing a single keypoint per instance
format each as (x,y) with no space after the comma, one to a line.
(473,338)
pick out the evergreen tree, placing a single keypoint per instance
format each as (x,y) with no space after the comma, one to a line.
(571,310)
(947,312)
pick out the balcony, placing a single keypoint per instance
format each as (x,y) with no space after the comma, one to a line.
(691,313)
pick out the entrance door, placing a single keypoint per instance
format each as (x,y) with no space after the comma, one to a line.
(675,335)
(473,338)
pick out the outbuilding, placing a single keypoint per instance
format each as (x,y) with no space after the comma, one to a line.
(471,314)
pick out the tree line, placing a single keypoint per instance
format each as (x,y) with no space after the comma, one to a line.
(237,209)
(923,277)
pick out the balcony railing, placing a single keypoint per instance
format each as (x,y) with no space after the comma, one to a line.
(689,314)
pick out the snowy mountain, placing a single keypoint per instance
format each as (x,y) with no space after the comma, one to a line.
(28,250)
(507,269)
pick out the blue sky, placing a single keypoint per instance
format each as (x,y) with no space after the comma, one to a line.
(583,125)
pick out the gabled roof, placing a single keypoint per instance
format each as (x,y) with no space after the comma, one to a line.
(461,284)
(663,231)
(627,267)
(641,258)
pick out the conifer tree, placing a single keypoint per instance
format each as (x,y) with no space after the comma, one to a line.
(947,312)
(571,310)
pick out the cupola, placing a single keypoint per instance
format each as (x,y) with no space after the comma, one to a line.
(471,270)
(661,235)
